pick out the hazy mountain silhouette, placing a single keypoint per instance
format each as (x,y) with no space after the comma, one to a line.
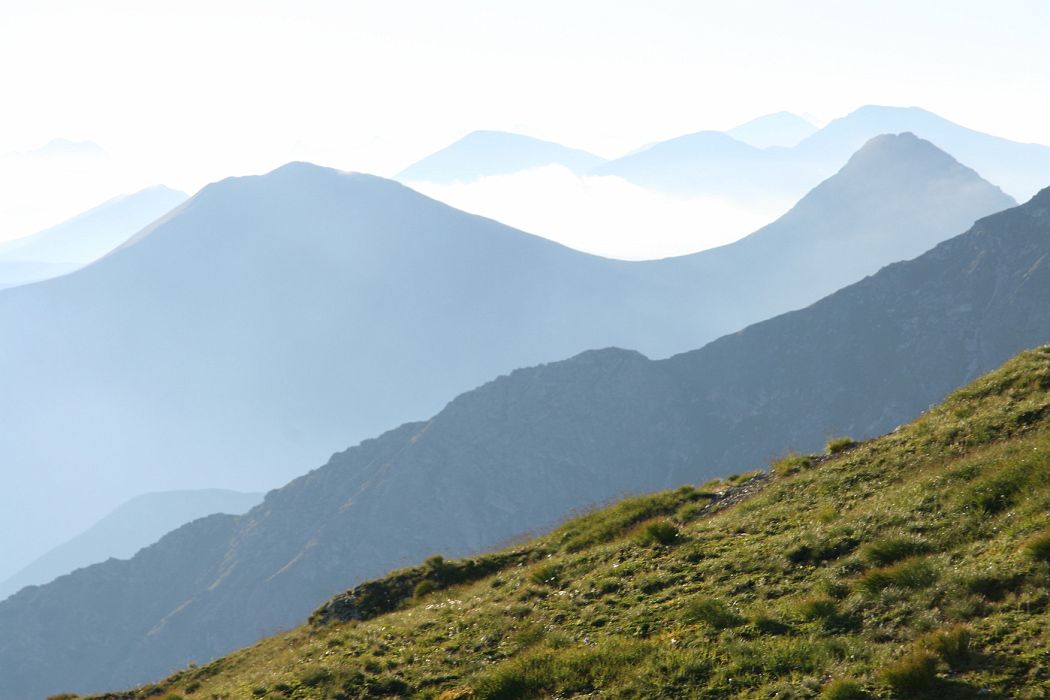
(84,238)
(64,148)
(139,522)
(271,320)
(780,129)
(704,163)
(1021,169)
(483,153)
(707,161)
(526,449)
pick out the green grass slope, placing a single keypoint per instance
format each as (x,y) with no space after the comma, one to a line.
(916,564)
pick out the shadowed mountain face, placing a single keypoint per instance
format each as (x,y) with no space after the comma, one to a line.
(271,320)
(718,164)
(485,153)
(84,238)
(526,449)
(135,524)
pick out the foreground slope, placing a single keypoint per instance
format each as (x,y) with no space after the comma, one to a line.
(310,309)
(915,564)
(521,452)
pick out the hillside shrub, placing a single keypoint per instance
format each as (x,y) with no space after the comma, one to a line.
(890,550)
(912,675)
(840,444)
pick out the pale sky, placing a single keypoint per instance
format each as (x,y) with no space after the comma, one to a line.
(185,93)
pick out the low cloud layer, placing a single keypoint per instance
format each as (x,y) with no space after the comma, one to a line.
(606,215)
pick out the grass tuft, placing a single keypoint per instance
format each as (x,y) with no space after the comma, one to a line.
(791,464)
(890,550)
(912,675)
(952,645)
(711,612)
(662,532)
(844,689)
(1038,547)
(911,573)
(837,445)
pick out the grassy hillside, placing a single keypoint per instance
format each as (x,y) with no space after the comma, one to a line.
(915,563)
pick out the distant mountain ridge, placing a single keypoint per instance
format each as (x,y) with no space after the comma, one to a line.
(84,238)
(135,524)
(485,153)
(709,162)
(311,308)
(782,129)
(778,155)
(526,449)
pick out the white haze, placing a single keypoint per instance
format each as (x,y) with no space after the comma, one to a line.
(606,215)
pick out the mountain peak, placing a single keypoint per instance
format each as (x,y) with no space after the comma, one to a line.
(886,155)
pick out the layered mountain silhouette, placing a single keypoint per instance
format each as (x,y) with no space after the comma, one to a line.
(84,238)
(716,163)
(271,320)
(780,129)
(523,451)
(484,153)
(133,525)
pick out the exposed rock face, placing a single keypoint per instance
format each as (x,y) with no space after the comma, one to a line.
(527,449)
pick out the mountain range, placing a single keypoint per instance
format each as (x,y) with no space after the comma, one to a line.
(713,162)
(133,525)
(773,157)
(485,153)
(312,308)
(524,450)
(84,238)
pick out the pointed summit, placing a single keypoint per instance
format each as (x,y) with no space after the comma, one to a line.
(850,222)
